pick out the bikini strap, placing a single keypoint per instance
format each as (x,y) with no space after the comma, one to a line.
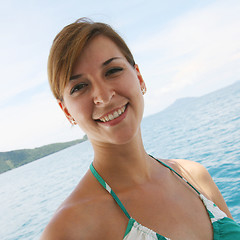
(164,164)
(108,188)
(115,197)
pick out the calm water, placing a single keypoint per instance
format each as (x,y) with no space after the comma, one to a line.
(206,130)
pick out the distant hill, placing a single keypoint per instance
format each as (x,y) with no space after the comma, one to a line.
(17,158)
(191,102)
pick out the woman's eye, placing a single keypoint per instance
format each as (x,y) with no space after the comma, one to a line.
(78,87)
(113,70)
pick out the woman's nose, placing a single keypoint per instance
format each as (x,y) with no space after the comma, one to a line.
(103,94)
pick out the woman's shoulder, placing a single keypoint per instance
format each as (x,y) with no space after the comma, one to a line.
(190,169)
(196,174)
(81,215)
(61,225)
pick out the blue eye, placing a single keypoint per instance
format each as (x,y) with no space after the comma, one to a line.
(77,87)
(113,71)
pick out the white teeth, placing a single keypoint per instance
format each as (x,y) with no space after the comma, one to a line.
(110,116)
(116,114)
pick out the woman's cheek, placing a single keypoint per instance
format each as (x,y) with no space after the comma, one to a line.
(83,111)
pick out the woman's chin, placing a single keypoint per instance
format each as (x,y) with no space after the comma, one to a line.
(120,139)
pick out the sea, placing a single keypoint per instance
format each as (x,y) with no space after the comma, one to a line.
(204,129)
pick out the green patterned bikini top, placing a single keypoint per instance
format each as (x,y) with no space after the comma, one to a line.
(224,228)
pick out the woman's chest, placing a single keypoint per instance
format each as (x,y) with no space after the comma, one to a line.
(174,214)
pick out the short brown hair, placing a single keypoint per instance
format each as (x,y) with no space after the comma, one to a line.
(68,45)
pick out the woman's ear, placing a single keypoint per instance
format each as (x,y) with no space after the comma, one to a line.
(141,81)
(65,110)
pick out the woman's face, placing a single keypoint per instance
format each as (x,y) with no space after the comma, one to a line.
(104,93)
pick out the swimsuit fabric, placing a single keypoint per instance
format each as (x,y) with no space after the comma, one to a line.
(224,228)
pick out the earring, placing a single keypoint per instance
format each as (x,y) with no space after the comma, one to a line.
(143,90)
(72,121)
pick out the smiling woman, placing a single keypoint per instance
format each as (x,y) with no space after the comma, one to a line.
(99,88)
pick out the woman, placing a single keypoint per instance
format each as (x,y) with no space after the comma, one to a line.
(99,87)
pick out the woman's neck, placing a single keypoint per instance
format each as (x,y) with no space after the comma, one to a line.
(123,164)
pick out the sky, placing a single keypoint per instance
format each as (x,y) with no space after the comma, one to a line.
(184,48)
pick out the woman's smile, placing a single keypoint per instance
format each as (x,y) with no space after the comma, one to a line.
(114,117)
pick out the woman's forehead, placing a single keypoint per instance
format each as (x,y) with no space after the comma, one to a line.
(99,50)
(100,45)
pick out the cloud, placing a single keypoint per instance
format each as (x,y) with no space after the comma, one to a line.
(197,49)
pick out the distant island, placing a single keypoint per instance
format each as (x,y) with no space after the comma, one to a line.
(13,159)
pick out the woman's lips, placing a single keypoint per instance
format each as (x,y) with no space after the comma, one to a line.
(114,117)
(115,114)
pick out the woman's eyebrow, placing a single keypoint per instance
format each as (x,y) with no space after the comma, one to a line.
(75,77)
(104,64)
(109,60)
